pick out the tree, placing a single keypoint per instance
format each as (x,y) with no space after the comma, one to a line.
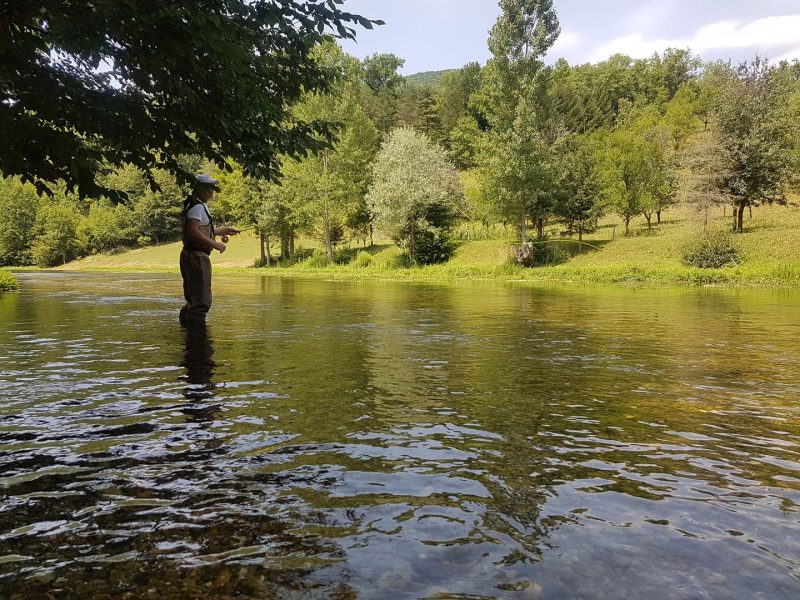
(380,74)
(19,204)
(415,195)
(463,143)
(523,33)
(517,171)
(88,84)
(156,213)
(633,174)
(105,227)
(578,189)
(453,93)
(680,116)
(334,181)
(708,167)
(429,121)
(56,231)
(662,75)
(757,131)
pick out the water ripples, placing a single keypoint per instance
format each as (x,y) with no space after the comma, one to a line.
(391,441)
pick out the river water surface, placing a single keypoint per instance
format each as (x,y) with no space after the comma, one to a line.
(388,440)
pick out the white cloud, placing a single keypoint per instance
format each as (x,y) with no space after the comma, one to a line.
(761,35)
(565,41)
(789,56)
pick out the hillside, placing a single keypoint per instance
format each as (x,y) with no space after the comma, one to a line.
(770,248)
(430,78)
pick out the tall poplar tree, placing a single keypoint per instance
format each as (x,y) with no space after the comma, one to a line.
(516,164)
(523,33)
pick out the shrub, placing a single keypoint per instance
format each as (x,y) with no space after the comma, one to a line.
(712,250)
(317,261)
(301,254)
(427,246)
(362,260)
(399,261)
(540,253)
(7,281)
(344,256)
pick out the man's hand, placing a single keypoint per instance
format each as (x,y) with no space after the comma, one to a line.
(219,246)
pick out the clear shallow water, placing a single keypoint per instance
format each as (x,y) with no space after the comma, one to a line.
(381,440)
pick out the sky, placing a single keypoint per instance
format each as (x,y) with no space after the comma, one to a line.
(444,34)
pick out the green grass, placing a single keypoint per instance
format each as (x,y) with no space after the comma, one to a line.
(770,247)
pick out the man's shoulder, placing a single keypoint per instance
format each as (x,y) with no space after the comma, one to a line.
(197,210)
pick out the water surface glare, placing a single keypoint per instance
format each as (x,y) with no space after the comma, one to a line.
(393,440)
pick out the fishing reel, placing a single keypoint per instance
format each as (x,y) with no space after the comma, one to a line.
(224,239)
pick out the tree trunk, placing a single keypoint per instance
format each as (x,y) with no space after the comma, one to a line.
(524,227)
(285,253)
(269,257)
(580,233)
(658,216)
(261,247)
(291,244)
(649,217)
(750,208)
(540,228)
(326,226)
(627,222)
(371,243)
(740,219)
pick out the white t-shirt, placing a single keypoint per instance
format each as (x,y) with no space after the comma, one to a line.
(200,213)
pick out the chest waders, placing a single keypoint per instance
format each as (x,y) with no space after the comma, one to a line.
(195,267)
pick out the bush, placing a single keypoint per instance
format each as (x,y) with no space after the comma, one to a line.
(362,260)
(301,254)
(344,256)
(398,261)
(428,246)
(317,261)
(7,281)
(540,253)
(712,250)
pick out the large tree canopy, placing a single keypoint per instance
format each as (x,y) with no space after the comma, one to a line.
(92,83)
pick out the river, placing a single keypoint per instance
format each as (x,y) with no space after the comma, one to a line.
(393,440)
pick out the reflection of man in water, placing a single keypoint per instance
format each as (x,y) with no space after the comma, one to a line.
(199,363)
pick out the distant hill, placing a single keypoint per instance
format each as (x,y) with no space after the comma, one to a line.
(427,78)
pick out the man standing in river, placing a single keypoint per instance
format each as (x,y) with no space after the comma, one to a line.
(199,239)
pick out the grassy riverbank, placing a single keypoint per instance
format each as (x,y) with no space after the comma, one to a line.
(770,249)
